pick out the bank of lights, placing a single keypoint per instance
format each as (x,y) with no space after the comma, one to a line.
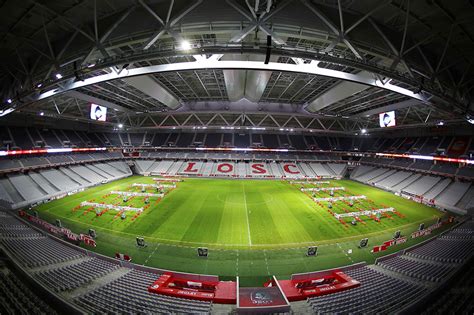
(43,151)
(426,157)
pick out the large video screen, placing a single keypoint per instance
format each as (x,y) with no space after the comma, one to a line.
(387,119)
(98,112)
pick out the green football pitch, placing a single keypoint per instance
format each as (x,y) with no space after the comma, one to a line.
(253,228)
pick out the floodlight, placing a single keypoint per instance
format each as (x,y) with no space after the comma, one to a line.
(470,119)
(185,45)
(59,76)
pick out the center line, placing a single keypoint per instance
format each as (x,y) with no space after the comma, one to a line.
(247,215)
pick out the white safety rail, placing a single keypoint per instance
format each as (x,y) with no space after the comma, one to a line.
(135,194)
(361,213)
(334,199)
(153,185)
(112,207)
(297,182)
(323,189)
(172,180)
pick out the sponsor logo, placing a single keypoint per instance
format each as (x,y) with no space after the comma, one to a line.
(261,298)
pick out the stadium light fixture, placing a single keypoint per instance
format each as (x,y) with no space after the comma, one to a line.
(120,126)
(185,45)
(440,123)
(41,113)
(39,85)
(363,131)
(59,76)
(9,101)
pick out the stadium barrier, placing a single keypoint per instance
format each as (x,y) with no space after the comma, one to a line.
(317,284)
(195,287)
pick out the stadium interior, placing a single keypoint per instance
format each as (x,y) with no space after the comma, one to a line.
(236,156)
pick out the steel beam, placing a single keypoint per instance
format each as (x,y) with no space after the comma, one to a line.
(395,106)
(150,87)
(337,93)
(98,101)
(71,84)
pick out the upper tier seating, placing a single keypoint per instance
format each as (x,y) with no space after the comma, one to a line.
(467,171)
(422,165)
(6,164)
(444,168)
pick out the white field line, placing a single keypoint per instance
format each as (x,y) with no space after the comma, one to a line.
(247,216)
(270,246)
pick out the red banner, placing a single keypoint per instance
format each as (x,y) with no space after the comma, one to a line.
(62,231)
(426,231)
(87,240)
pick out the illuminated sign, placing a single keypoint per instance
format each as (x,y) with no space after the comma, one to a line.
(243,149)
(387,119)
(98,112)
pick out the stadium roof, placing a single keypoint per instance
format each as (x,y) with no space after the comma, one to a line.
(332,64)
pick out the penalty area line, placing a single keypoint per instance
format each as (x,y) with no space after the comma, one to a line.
(152,253)
(247,215)
(349,257)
